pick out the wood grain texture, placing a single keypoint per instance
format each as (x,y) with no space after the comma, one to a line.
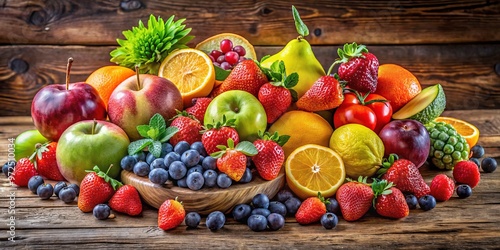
(205,200)
(262,22)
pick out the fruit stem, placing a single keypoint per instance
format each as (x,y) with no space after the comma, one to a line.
(94,125)
(68,69)
(138,78)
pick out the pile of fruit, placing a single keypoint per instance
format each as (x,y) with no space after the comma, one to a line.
(214,116)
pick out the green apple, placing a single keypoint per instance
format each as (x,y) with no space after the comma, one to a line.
(86,144)
(26,141)
(242,106)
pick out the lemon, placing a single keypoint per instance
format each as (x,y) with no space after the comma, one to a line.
(312,168)
(361,149)
(303,128)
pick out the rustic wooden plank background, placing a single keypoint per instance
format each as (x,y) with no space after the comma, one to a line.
(455,43)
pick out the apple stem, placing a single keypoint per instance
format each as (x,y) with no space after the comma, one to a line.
(138,79)
(94,126)
(68,69)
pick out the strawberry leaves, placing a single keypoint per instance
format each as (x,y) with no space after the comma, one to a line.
(154,135)
(114,183)
(245,147)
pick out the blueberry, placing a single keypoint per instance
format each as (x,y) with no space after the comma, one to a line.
(157,163)
(181,147)
(261,211)
(427,202)
(277,207)
(67,194)
(165,149)
(198,146)
(58,186)
(464,191)
(101,211)
(477,151)
(158,176)
(128,162)
(177,170)
(140,156)
(141,168)
(332,206)
(215,220)
(283,195)
(182,182)
(275,221)
(241,212)
(75,187)
(292,205)
(192,219)
(8,167)
(247,176)
(260,201)
(45,191)
(329,220)
(209,163)
(150,158)
(190,158)
(171,157)
(223,181)
(34,182)
(489,165)
(411,200)
(197,168)
(195,181)
(257,222)
(210,178)
(476,161)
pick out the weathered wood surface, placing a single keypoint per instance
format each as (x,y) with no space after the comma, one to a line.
(472,223)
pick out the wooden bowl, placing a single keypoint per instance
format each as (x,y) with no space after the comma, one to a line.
(205,200)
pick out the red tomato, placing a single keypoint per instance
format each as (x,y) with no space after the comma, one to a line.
(363,110)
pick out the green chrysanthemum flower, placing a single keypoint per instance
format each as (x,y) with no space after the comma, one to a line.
(146,47)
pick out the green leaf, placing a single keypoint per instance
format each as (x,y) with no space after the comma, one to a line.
(220,74)
(137,146)
(143,130)
(283,139)
(168,133)
(157,121)
(155,149)
(299,24)
(247,148)
(153,133)
(291,80)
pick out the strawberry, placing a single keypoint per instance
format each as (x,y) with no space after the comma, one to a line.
(171,214)
(126,200)
(466,172)
(24,170)
(45,161)
(311,210)
(276,96)
(442,187)
(189,128)
(218,133)
(326,93)
(246,75)
(355,198)
(96,188)
(358,67)
(270,157)
(232,160)
(389,201)
(199,107)
(405,175)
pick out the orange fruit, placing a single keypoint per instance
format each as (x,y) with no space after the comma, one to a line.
(397,84)
(192,71)
(213,42)
(313,168)
(468,131)
(105,79)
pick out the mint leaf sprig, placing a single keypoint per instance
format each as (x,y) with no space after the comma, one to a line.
(154,135)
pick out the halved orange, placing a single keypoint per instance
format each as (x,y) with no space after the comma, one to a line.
(191,70)
(313,168)
(213,42)
(465,129)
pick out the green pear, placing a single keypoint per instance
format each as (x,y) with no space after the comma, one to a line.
(299,57)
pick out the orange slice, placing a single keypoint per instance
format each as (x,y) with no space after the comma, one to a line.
(213,42)
(191,70)
(313,168)
(465,129)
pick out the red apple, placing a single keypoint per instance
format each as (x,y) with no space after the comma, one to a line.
(57,106)
(138,98)
(408,139)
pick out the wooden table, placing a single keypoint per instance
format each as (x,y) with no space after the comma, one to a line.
(458,223)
